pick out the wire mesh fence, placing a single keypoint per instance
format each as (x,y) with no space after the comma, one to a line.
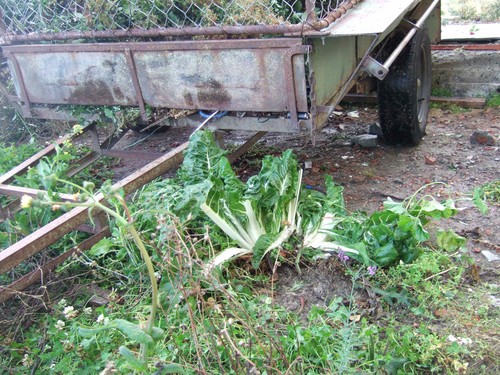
(56,16)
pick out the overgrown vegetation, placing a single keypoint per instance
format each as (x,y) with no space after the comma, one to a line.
(54,16)
(225,319)
(452,108)
(489,192)
(46,176)
(493,101)
(471,10)
(441,92)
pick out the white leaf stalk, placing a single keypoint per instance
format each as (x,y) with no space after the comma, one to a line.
(247,237)
(317,239)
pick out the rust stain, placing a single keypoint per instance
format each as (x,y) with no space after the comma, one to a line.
(212,95)
(118,93)
(188,99)
(110,64)
(92,91)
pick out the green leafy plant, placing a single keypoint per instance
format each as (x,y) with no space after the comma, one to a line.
(494,100)
(146,335)
(273,209)
(442,92)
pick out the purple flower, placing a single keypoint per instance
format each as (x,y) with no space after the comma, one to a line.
(372,270)
(342,257)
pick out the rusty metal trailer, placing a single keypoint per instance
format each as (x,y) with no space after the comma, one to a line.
(277,67)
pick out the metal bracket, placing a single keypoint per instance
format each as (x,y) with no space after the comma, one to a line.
(372,66)
(379,70)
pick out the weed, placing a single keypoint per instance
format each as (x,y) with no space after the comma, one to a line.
(488,10)
(488,192)
(494,100)
(451,108)
(442,92)
(13,155)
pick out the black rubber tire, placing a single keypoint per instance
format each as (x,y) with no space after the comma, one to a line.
(404,95)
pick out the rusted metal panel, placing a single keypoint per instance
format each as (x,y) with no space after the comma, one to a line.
(333,60)
(433,21)
(255,124)
(100,78)
(237,79)
(242,75)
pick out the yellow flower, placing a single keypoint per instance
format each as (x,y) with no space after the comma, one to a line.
(77,129)
(26,201)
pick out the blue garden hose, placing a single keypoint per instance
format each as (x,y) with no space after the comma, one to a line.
(217,116)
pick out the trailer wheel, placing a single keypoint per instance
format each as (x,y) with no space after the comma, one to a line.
(404,94)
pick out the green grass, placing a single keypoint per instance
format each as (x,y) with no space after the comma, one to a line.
(453,108)
(441,92)
(230,323)
(493,101)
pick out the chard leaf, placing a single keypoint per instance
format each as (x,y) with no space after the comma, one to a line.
(448,240)
(321,213)
(334,197)
(412,226)
(335,247)
(434,209)
(227,227)
(395,207)
(274,191)
(385,255)
(409,253)
(203,159)
(268,242)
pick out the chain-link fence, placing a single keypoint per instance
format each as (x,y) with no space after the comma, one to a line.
(56,16)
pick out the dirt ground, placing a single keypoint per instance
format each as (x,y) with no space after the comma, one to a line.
(448,160)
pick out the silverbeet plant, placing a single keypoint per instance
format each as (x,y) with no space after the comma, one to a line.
(272,208)
(259,216)
(145,333)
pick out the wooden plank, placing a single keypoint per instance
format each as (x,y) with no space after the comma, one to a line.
(462,102)
(240,151)
(466,47)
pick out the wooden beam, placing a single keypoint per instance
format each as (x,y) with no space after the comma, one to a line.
(462,102)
